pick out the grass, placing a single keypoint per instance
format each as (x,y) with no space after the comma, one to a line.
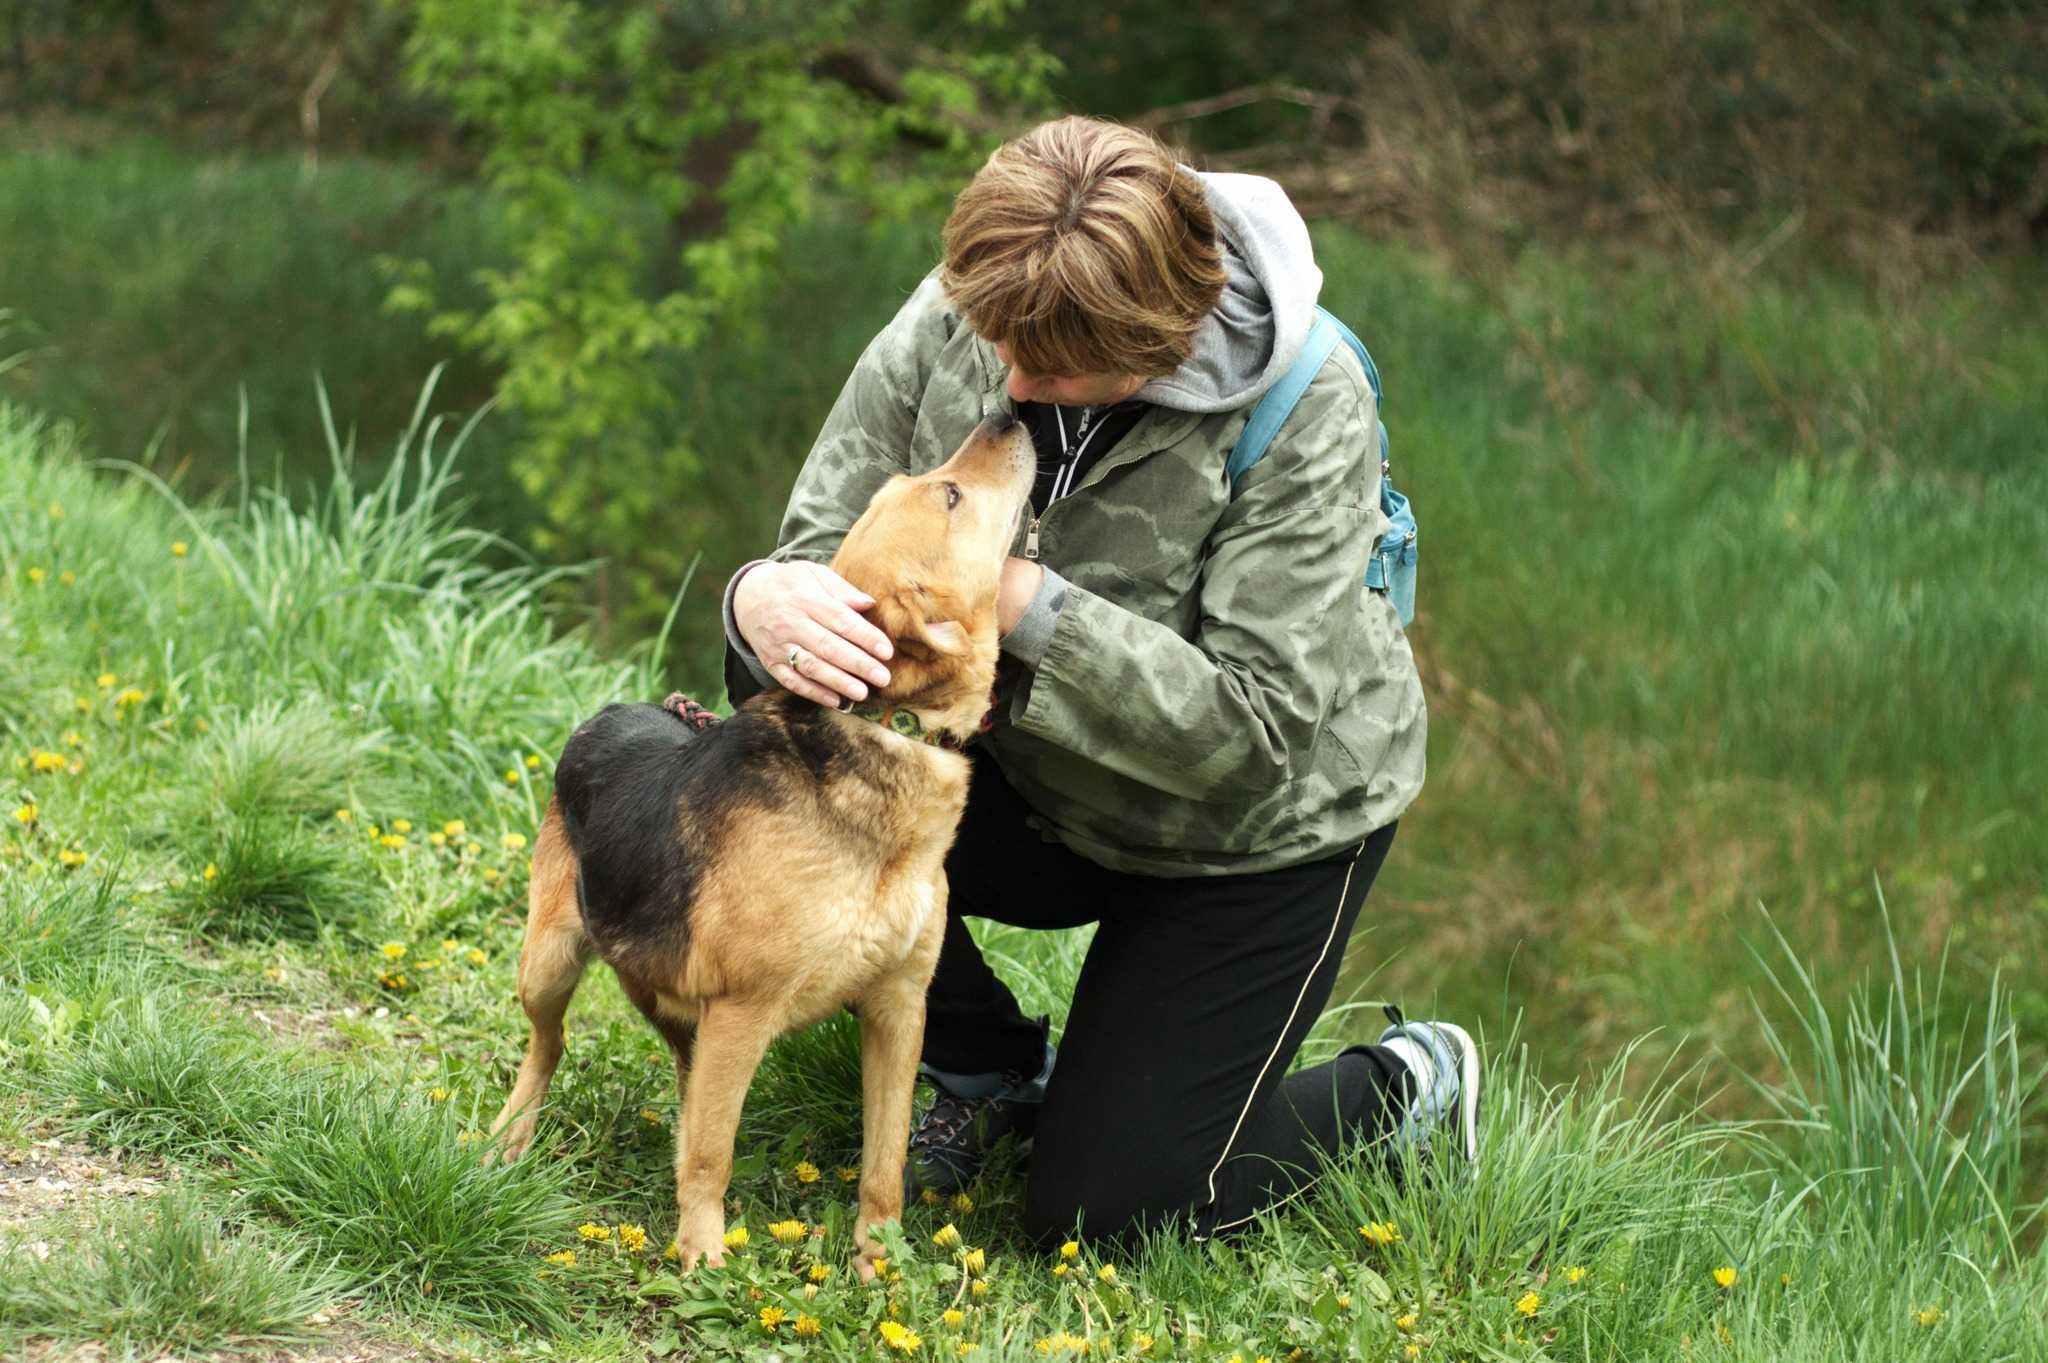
(160,1276)
(1880,1181)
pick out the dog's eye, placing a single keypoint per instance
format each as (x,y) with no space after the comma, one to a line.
(952,495)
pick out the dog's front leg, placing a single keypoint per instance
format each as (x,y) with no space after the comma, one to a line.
(731,1039)
(891,1037)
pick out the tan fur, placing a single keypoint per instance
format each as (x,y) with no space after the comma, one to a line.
(820,897)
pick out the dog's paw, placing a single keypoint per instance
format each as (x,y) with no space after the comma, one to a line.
(691,1256)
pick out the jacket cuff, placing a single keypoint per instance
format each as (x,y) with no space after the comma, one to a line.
(1027,640)
(739,643)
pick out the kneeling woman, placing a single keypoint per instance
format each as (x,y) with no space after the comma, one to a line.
(1207,726)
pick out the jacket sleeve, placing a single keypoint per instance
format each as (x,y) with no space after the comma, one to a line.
(865,441)
(1239,707)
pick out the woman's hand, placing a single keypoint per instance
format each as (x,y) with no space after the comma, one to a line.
(809,608)
(1021,577)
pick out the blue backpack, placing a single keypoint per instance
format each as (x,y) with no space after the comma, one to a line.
(1392,569)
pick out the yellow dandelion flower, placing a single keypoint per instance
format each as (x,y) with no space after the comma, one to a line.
(979,1287)
(437,838)
(820,1272)
(807,1325)
(25,814)
(928,1197)
(632,1238)
(564,1257)
(1725,1277)
(393,951)
(475,956)
(393,841)
(46,761)
(73,739)
(345,815)
(490,874)
(899,1338)
(471,849)
(401,825)
(211,873)
(512,842)
(129,695)
(1107,1273)
(736,1238)
(1343,1302)
(438,1094)
(947,1236)
(974,1261)
(1930,1316)
(373,832)
(179,548)
(1530,1304)
(965,1347)
(455,828)
(881,1267)
(962,1203)
(450,945)
(1071,1250)
(772,1316)
(650,1116)
(1574,1274)
(35,574)
(511,776)
(1406,1322)
(953,1316)
(590,1230)
(847,1173)
(1059,1270)
(787,1232)
(72,857)
(533,761)
(806,1172)
(1380,1233)
(105,680)
(1141,1343)
(393,979)
(1412,1350)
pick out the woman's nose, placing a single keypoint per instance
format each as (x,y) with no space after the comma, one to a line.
(1022,387)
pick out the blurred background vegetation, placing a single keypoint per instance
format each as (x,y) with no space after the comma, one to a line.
(1712,336)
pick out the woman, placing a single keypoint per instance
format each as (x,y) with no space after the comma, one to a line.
(1207,727)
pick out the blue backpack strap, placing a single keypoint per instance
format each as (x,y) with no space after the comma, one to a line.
(1392,567)
(1280,399)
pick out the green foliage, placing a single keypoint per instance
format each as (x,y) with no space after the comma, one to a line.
(379,1182)
(159,1276)
(624,260)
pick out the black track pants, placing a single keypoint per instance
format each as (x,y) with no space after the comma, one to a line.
(1170,1099)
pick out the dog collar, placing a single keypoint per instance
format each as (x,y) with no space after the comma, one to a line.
(907,723)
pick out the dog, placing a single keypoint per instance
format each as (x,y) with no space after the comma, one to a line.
(758,875)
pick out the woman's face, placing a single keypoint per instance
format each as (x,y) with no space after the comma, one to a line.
(1067,390)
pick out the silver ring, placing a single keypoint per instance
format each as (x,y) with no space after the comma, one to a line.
(795,650)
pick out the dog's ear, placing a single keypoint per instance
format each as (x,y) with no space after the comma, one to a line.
(948,637)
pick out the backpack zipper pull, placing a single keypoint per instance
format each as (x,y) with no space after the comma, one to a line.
(1031,540)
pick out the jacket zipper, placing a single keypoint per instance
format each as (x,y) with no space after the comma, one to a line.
(1063,474)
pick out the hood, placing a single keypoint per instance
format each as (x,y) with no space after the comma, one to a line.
(1268,305)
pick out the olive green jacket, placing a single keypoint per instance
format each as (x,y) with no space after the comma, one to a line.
(1219,693)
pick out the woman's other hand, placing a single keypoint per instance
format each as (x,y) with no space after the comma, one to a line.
(808,608)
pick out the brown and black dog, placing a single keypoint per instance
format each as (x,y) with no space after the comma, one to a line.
(760,875)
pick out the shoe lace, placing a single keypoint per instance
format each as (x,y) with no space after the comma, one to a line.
(949,1115)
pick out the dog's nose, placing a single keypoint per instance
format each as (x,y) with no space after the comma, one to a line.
(999,423)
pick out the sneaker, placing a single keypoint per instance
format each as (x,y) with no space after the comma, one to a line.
(1445,1064)
(969,1115)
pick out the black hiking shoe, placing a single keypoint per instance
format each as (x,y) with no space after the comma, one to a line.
(970,1114)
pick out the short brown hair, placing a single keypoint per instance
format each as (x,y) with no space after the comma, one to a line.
(1084,247)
